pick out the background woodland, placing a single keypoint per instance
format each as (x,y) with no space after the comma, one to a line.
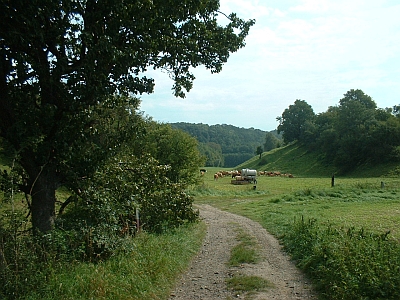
(227,145)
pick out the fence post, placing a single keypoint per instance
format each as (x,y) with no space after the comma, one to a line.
(137,220)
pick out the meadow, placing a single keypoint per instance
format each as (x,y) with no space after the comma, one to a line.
(274,201)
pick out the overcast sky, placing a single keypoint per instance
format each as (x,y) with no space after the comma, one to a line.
(313,50)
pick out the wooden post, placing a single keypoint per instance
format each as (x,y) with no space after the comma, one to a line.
(333,180)
(137,220)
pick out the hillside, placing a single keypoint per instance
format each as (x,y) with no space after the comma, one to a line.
(225,145)
(297,160)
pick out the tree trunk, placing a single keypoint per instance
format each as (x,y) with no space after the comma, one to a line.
(43,200)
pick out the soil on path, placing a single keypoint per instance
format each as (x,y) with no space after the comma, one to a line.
(206,277)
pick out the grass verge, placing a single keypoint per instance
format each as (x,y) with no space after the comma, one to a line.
(346,263)
(147,273)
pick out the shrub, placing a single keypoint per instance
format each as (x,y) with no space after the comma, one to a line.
(106,208)
(95,226)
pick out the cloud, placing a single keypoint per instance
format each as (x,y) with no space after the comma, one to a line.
(246,8)
(314,6)
(310,50)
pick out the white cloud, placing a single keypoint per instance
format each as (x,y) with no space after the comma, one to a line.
(247,9)
(311,50)
(313,6)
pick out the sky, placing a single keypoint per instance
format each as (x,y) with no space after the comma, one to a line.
(313,50)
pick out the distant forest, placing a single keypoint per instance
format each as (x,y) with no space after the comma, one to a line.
(228,146)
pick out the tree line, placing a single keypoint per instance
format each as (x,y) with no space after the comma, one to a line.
(353,133)
(227,145)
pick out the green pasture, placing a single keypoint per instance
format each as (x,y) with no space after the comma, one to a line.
(276,201)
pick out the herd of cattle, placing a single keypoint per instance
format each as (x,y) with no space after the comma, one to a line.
(236,173)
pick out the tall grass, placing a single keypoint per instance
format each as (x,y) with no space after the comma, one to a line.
(148,272)
(346,263)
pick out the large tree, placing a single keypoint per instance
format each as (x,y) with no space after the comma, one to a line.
(356,132)
(295,120)
(364,133)
(61,60)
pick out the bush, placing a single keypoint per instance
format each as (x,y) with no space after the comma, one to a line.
(106,209)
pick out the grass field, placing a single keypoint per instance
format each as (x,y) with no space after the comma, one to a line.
(276,201)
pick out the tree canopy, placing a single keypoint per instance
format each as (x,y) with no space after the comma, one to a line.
(271,141)
(353,133)
(62,63)
(295,120)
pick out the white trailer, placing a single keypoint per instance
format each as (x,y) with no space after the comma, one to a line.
(249,175)
(246,176)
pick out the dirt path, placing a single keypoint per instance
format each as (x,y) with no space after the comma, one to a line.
(205,278)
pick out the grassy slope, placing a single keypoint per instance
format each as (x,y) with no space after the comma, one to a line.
(300,162)
(292,159)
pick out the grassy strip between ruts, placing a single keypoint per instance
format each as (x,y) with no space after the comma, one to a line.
(149,272)
(246,251)
(345,237)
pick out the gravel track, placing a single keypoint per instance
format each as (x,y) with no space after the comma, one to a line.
(206,277)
